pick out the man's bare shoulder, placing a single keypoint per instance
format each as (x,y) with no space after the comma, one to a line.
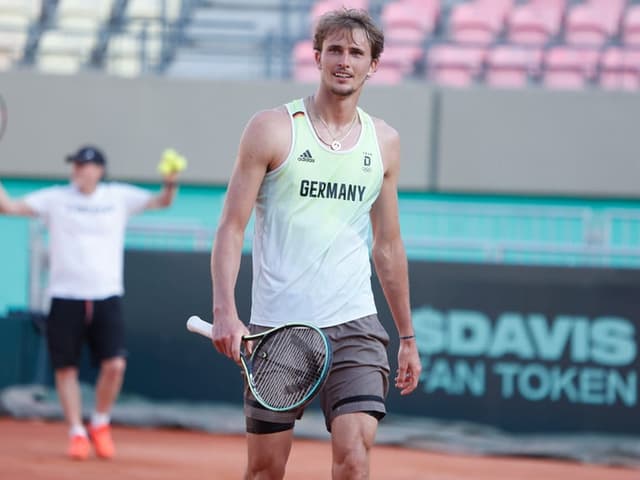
(267,136)
(387,135)
(270,119)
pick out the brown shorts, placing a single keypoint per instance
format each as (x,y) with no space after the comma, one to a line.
(358,380)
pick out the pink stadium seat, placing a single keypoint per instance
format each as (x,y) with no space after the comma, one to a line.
(425,7)
(593,22)
(612,11)
(304,64)
(407,25)
(303,52)
(404,56)
(536,22)
(566,67)
(478,22)
(620,69)
(631,26)
(499,8)
(320,7)
(418,14)
(306,74)
(388,73)
(454,65)
(512,66)
(585,26)
(470,25)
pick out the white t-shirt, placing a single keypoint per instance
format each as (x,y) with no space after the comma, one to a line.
(86,237)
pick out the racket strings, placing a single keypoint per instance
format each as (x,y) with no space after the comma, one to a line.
(287,366)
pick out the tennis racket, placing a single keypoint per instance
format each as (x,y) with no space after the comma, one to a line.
(4,118)
(287,366)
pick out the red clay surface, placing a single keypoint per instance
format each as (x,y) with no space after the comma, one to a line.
(31,450)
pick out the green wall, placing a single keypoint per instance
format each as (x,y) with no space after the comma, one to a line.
(446,227)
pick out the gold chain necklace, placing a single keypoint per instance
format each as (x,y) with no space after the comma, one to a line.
(336,143)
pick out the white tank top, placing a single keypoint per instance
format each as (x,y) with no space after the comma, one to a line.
(311,240)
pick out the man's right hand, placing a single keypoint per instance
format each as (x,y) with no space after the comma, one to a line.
(226,336)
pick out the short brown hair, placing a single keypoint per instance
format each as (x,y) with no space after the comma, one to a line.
(349,19)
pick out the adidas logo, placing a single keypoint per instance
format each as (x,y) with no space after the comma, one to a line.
(306,157)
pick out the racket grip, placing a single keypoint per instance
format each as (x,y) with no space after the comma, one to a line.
(197,325)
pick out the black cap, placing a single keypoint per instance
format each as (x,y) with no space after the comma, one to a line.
(86,154)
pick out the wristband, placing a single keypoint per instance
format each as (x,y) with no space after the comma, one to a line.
(407,337)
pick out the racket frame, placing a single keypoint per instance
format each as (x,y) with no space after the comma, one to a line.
(197,325)
(261,337)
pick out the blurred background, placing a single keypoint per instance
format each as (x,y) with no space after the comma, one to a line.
(519,197)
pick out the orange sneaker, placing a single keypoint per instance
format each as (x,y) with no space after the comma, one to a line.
(79,447)
(102,441)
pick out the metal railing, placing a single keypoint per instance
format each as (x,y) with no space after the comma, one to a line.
(438,230)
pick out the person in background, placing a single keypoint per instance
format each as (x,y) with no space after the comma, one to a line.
(320,173)
(86,220)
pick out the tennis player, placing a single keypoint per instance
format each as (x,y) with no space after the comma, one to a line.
(86,221)
(320,173)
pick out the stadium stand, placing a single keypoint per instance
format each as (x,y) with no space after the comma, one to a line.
(497,43)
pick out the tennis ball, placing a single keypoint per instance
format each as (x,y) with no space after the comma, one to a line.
(171,162)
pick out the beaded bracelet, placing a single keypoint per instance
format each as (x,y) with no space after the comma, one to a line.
(407,337)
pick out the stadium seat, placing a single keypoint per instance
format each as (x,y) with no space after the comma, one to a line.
(408,24)
(76,43)
(12,44)
(593,22)
(130,55)
(19,14)
(454,65)
(418,14)
(31,9)
(306,74)
(536,22)
(620,69)
(153,9)
(388,73)
(6,61)
(83,14)
(303,62)
(613,12)
(631,26)
(429,8)
(478,22)
(566,67)
(512,66)
(404,46)
(303,52)
(58,63)
(320,7)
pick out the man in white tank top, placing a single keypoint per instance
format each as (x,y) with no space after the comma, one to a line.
(321,174)
(86,220)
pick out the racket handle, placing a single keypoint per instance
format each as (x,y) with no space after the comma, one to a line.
(197,325)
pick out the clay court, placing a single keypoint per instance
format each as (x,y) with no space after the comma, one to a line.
(33,450)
